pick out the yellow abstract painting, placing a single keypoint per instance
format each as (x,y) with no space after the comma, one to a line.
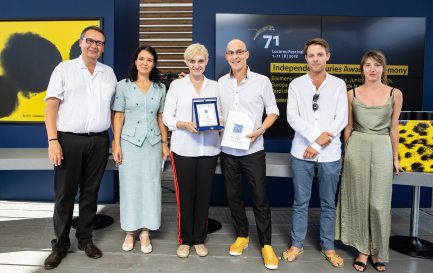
(29,52)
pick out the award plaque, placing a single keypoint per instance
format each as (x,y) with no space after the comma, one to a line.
(205,113)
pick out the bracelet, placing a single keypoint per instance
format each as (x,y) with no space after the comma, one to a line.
(262,129)
(164,142)
(51,139)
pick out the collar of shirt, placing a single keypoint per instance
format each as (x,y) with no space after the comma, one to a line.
(189,83)
(80,63)
(325,81)
(246,76)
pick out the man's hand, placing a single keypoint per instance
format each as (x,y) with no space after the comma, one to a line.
(310,153)
(254,135)
(324,139)
(55,153)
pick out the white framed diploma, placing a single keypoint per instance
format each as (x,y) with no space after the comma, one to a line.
(237,126)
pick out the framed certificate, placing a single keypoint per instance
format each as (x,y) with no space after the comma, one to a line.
(205,112)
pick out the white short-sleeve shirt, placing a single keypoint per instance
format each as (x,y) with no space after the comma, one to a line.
(85,99)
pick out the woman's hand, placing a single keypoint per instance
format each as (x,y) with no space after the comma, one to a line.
(116,151)
(397,168)
(190,126)
(165,151)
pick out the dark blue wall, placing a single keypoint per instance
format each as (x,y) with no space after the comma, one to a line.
(126,29)
(204,21)
(121,26)
(204,32)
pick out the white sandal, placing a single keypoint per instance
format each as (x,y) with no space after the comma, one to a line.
(146,246)
(128,246)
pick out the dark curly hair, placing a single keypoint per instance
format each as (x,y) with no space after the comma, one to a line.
(154,75)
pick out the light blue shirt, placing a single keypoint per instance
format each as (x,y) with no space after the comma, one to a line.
(141,111)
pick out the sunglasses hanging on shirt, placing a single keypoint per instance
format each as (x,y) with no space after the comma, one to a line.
(315,104)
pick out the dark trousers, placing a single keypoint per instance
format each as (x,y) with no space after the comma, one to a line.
(253,166)
(193,178)
(85,158)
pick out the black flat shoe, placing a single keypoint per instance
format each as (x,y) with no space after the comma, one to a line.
(54,259)
(361,264)
(91,250)
(376,266)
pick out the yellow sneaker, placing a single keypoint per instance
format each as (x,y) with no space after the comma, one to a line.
(269,258)
(238,246)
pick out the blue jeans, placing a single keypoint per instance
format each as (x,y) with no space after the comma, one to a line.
(328,174)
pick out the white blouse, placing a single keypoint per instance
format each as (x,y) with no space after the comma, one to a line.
(178,107)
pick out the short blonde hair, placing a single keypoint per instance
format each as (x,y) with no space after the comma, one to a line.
(193,50)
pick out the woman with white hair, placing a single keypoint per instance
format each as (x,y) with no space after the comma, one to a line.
(194,153)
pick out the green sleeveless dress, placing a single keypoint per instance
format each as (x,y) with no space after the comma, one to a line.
(364,202)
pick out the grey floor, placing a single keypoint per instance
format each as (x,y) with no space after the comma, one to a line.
(26,229)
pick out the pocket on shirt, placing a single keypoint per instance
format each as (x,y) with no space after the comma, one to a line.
(128,131)
(107,92)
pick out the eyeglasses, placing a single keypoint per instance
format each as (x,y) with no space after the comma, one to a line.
(237,52)
(315,99)
(90,41)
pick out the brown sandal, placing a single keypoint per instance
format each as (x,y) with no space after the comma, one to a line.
(334,259)
(291,255)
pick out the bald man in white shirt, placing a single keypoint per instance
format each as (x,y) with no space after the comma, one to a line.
(244,91)
(77,118)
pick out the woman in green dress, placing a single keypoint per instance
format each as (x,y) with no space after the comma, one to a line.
(371,139)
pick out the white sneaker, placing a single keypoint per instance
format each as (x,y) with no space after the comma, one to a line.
(201,250)
(183,251)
